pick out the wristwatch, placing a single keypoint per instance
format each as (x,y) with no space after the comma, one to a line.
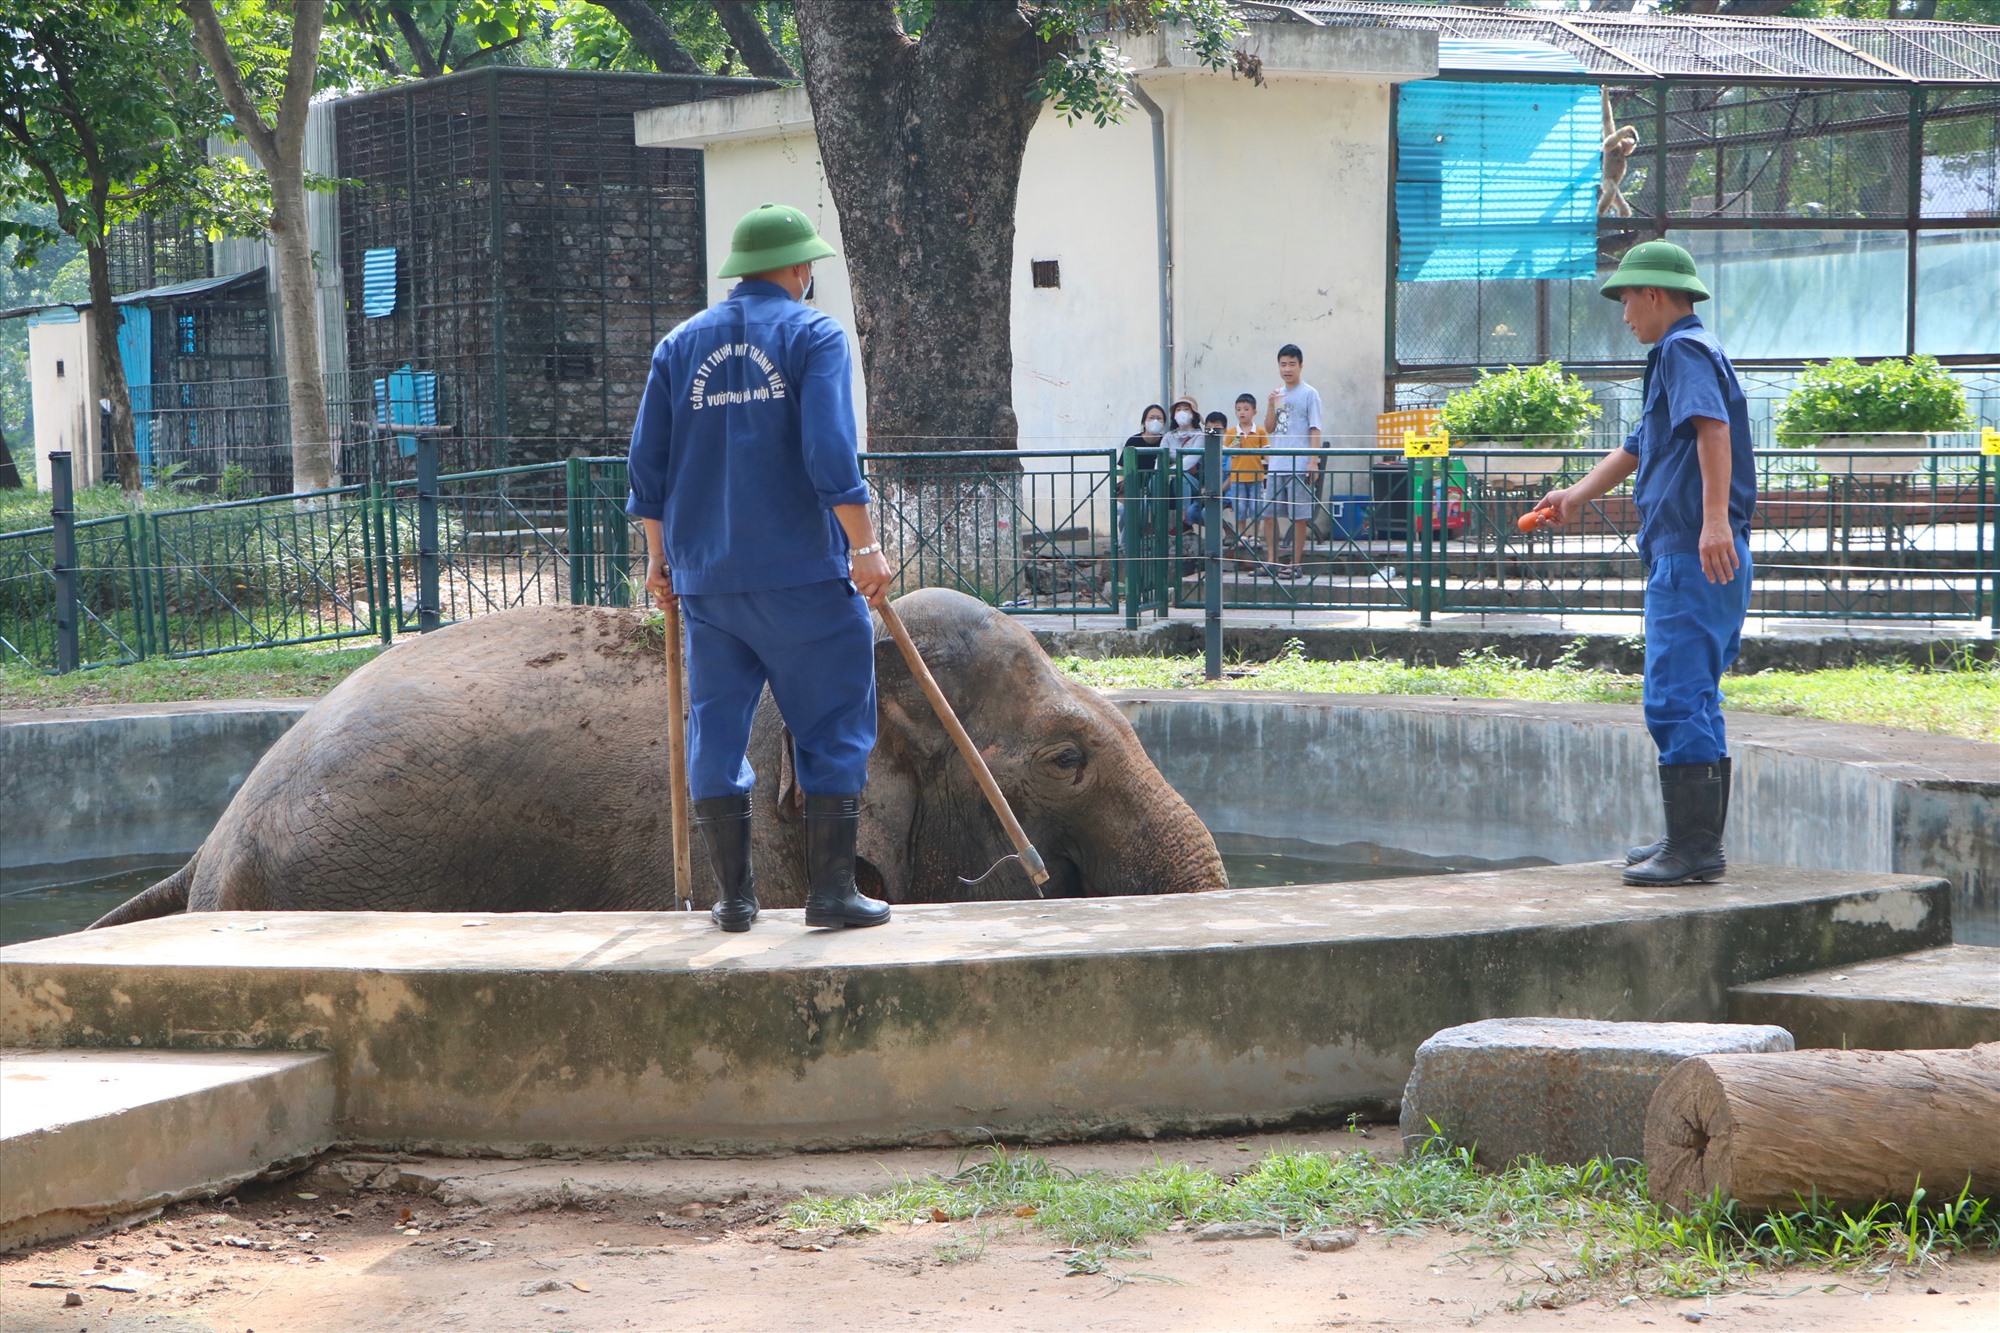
(865,550)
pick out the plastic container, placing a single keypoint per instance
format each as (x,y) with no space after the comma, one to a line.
(1347,516)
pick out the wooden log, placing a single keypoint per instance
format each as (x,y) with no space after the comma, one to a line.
(1849,1126)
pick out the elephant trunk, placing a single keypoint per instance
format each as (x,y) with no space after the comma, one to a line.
(1154,843)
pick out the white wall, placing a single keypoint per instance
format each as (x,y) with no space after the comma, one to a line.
(1086,354)
(1280,208)
(738,175)
(66,404)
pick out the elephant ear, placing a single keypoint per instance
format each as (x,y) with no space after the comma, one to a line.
(906,735)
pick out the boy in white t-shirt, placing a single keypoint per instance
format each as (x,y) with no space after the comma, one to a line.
(1292,420)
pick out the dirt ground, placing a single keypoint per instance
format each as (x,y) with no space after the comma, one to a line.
(427,1243)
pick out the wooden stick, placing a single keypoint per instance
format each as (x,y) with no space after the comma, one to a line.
(1031,860)
(677,776)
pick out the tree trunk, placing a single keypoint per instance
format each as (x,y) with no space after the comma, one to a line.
(305,386)
(1849,1126)
(760,55)
(104,321)
(651,35)
(10,475)
(923,142)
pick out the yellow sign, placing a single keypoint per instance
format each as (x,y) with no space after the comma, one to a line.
(1989,441)
(1437,444)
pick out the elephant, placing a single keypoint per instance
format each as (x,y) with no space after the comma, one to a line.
(518,762)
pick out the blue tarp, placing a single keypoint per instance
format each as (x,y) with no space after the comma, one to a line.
(378,283)
(1497,180)
(407,398)
(135,349)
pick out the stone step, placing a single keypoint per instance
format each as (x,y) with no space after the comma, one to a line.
(93,1136)
(954,1023)
(1917,1001)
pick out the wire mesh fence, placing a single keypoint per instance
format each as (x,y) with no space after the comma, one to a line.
(1855,534)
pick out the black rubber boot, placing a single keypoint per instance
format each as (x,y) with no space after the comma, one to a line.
(1637,854)
(1696,797)
(832,900)
(725,831)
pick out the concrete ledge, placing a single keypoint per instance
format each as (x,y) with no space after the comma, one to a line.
(1500,779)
(88,1137)
(133,780)
(955,1024)
(1920,1001)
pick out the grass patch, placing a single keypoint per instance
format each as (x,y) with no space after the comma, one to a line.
(1959,698)
(1567,1232)
(269,673)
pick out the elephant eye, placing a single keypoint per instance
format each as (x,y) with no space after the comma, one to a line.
(1069,758)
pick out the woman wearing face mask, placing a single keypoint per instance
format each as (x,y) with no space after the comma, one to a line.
(1140,510)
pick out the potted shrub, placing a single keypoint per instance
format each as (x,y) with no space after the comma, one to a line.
(1892,405)
(1525,407)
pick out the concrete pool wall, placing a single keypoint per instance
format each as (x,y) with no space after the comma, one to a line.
(1491,779)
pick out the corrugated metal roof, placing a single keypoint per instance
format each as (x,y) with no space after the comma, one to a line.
(1695,46)
(1457,55)
(152,295)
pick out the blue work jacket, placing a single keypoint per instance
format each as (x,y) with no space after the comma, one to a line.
(1687,376)
(745,442)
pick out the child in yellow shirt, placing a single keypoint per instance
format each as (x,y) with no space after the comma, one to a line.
(1243,489)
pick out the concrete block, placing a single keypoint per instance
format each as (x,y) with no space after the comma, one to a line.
(1562,1089)
(1928,1000)
(89,1137)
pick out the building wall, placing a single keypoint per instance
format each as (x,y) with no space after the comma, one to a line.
(1277,200)
(739,175)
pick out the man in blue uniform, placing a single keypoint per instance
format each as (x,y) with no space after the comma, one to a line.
(745,477)
(1697,486)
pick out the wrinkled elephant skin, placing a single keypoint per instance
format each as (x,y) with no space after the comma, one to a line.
(517,762)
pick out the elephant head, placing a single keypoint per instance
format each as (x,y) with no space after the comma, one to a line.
(1069,763)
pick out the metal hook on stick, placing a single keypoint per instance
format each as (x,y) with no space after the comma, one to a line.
(1024,851)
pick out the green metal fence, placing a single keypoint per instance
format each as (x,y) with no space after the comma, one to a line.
(1074,533)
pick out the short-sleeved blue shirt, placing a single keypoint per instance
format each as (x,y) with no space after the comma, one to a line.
(1687,376)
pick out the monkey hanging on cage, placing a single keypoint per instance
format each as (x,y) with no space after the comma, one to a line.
(1620,142)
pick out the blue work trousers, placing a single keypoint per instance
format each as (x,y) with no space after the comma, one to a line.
(815,646)
(1694,629)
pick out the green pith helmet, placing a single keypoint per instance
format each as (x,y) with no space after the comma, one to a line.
(772,236)
(1656,264)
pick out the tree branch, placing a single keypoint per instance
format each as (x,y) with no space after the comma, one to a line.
(420,47)
(24,144)
(214,47)
(370,23)
(760,54)
(652,36)
(485,51)
(301,73)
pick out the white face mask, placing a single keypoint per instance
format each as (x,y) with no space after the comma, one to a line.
(1154,425)
(1183,419)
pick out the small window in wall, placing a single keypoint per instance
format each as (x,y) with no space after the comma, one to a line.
(59,370)
(569,366)
(1047,272)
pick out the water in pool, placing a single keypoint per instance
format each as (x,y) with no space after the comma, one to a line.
(39,901)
